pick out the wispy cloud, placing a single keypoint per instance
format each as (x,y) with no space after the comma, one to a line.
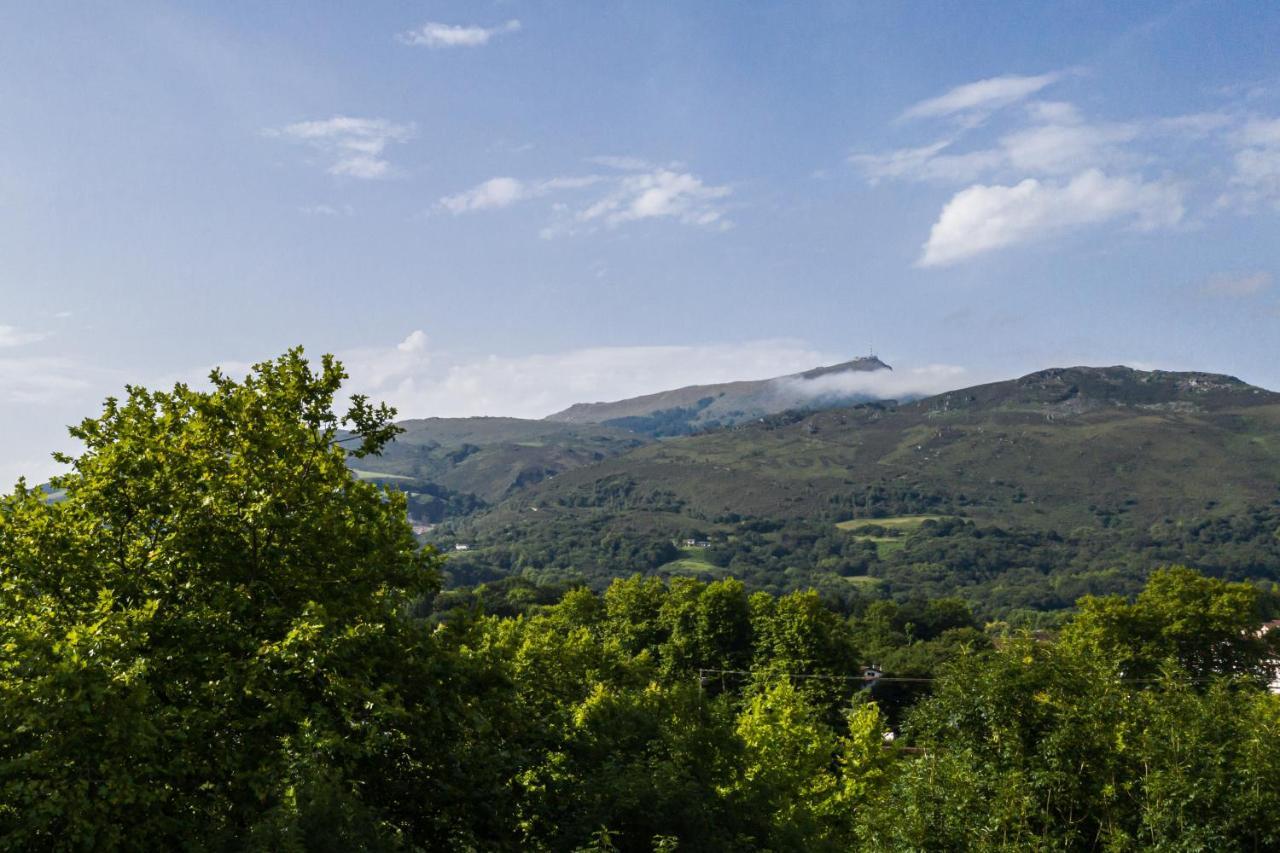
(982,218)
(437,35)
(927,163)
(981,96)
(51,392)
(51,379)
(1055,140)
(327,210)
(661,193)
(1059,147)
(421,383)
(1047,167)
(654,193)
(1236,285)
(351,147)
(502,192)
(12,336)
(1256,179)
(493,193)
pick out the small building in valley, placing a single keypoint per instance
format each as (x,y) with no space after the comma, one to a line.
(1267,629)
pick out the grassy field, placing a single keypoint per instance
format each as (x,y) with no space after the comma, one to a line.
(897,525)
(692,567)
(863,582)
(902,523)
(691,562)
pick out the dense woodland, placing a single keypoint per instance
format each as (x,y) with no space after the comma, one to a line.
(221,640)
(1026,576)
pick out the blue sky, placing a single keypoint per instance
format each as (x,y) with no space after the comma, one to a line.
(503,208)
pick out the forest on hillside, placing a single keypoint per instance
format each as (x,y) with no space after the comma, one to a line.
(1026,576)
(219,639)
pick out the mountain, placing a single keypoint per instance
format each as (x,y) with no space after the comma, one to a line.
(696,407)
(1073,479)
(455,466)
(1053,443)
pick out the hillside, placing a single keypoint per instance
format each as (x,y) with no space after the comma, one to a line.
(1065,452)
(452,466)
(684,410)
(1052,443)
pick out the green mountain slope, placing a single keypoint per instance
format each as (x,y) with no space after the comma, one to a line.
(456,465)
(1084,452)
(1059,444)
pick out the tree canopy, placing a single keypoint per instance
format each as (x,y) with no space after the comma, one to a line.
(204,639)
(221,639)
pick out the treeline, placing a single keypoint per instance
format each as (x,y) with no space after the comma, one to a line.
(1018,574)
(217,641)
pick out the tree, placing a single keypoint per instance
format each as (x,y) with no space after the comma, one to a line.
(1206,626)
(204,643)
(796,635)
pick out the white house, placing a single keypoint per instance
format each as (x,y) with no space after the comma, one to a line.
(1267,628)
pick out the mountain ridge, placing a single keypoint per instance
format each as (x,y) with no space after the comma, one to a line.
(692,407)
(1056,443)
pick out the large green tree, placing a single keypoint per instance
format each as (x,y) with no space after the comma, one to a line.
(1204,626)
(203,644)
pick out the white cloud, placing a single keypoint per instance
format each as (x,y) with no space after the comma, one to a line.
(982,95)
(51,392)
(897,384)
(983,218)
(1193,124)
(493,193)
(1257,164)
(1053,112)
(12,336)
(1237,285)
(1050,168)
(1261,133)
(501,192)
(353,147)
(54,379)
(927,163)
(657,193)
(389,370)
(1060,148)
(1057,142)
(423,384)
(436,35)
(415,342)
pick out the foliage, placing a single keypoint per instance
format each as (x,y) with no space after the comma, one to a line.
(205,639)
(220,639)
(1202,624)
(1027,576)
